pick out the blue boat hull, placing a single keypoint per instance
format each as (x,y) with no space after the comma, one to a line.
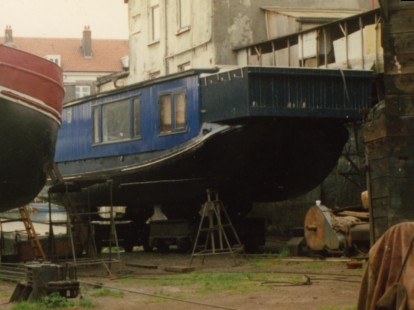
(252,134)
(263,159)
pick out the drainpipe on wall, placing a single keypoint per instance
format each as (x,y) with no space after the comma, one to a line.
(166,66)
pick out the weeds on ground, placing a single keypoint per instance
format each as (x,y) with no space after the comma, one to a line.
(106,292)
(218,282)
(53,301)
(284,252)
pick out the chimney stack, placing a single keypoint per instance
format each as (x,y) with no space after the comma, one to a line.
(86,44)
(8,36)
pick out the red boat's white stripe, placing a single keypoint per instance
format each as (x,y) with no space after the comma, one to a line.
(30,102)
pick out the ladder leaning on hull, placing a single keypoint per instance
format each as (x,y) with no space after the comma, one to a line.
(32,237)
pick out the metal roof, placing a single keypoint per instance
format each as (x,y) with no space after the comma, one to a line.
(312,13)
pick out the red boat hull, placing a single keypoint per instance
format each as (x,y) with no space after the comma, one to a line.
(31,93)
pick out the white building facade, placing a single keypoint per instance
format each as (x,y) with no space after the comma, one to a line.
(169,36)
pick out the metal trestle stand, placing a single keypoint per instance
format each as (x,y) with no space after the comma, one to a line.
(218,231)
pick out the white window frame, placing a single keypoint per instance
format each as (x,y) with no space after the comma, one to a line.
(54,58)
(136,24)
(172,112)
(183,16)
(117,121)
(82,91)
(184,66)
(155,24)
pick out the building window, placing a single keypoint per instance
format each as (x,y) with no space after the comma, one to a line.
(184,14)
(136,23)
(82,91)
(155,23)
(172,112)
(184,67)
(117,121)
(54,58)
(154,74)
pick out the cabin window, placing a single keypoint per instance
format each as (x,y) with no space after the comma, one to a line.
(172,111)
(96,122)
(179,109)
(136,107)
(165,114)
(117,121)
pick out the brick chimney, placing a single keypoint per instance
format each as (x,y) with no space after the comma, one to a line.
(8,36)
(86,44)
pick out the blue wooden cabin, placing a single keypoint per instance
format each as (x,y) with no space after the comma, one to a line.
(167,112)
(89,131)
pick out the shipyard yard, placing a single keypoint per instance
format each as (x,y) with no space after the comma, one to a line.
(227,155)
(264,281)
(283,273)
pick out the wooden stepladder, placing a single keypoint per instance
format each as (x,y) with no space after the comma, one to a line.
(216,232)
(32,237)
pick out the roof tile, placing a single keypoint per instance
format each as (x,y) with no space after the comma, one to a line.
(106,53)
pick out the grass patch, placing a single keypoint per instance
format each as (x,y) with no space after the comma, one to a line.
(25,305)
(102,292)
(284,252)
(53,301)
(258,263)
(299,266)
(218,282)
(85,303)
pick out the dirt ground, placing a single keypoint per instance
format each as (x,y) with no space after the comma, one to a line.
(319,284)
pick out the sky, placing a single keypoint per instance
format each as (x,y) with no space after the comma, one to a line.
(108,19)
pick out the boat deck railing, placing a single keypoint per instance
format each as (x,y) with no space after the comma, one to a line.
(350,43)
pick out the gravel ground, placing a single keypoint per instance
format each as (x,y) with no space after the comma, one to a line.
(322,284)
